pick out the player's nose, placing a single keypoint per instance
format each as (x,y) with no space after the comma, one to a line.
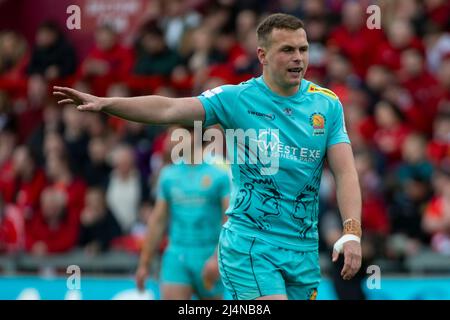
(298,56)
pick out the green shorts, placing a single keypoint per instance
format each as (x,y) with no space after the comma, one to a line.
(184,266)
(251,268)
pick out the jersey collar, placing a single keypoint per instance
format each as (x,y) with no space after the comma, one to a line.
(299,94)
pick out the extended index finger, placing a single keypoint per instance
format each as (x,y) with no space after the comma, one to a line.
(65,90)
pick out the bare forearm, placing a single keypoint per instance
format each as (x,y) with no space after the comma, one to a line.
(153,237)
(145,109)
(152,109)
(348,195)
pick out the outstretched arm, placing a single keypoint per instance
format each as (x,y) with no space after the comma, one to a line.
(340,159)
(146,109)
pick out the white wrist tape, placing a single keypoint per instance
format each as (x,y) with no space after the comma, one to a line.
(346,237)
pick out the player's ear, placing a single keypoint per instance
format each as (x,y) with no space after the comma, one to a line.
(261,53)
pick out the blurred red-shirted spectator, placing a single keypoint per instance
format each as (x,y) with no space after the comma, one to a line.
(354,39)
(247,64)
(227,50)
(436,220)
(26,182)
(438,148)
(391,133)
(422,86)
(61,177)
(12,233)
(107,62)
(54,229)
(225,57)
(317,31)
(438,12)
(14,56)
(400,36)
(339,71)
(29,111)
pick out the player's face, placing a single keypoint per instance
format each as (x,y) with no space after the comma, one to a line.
(286,58)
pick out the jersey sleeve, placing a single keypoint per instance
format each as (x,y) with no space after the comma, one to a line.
(219,104)
(338,131)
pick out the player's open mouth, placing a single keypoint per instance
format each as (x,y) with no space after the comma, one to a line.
(295,71)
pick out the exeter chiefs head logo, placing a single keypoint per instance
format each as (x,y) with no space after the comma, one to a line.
(258,197)
(317,121)
(305,205)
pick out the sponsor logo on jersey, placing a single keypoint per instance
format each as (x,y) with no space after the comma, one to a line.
(317,121)
(270,144)
(270,116)
(314,89)
(288,111)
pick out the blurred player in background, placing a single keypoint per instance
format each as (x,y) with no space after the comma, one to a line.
(191,202)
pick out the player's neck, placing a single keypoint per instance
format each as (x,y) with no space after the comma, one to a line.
(282,91)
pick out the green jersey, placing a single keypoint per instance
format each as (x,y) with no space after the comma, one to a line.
(194,195)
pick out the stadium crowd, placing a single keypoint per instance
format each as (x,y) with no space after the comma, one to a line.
(79,180)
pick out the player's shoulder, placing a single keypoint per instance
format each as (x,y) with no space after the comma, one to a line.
(315,90)
(168,171)
(230,89)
